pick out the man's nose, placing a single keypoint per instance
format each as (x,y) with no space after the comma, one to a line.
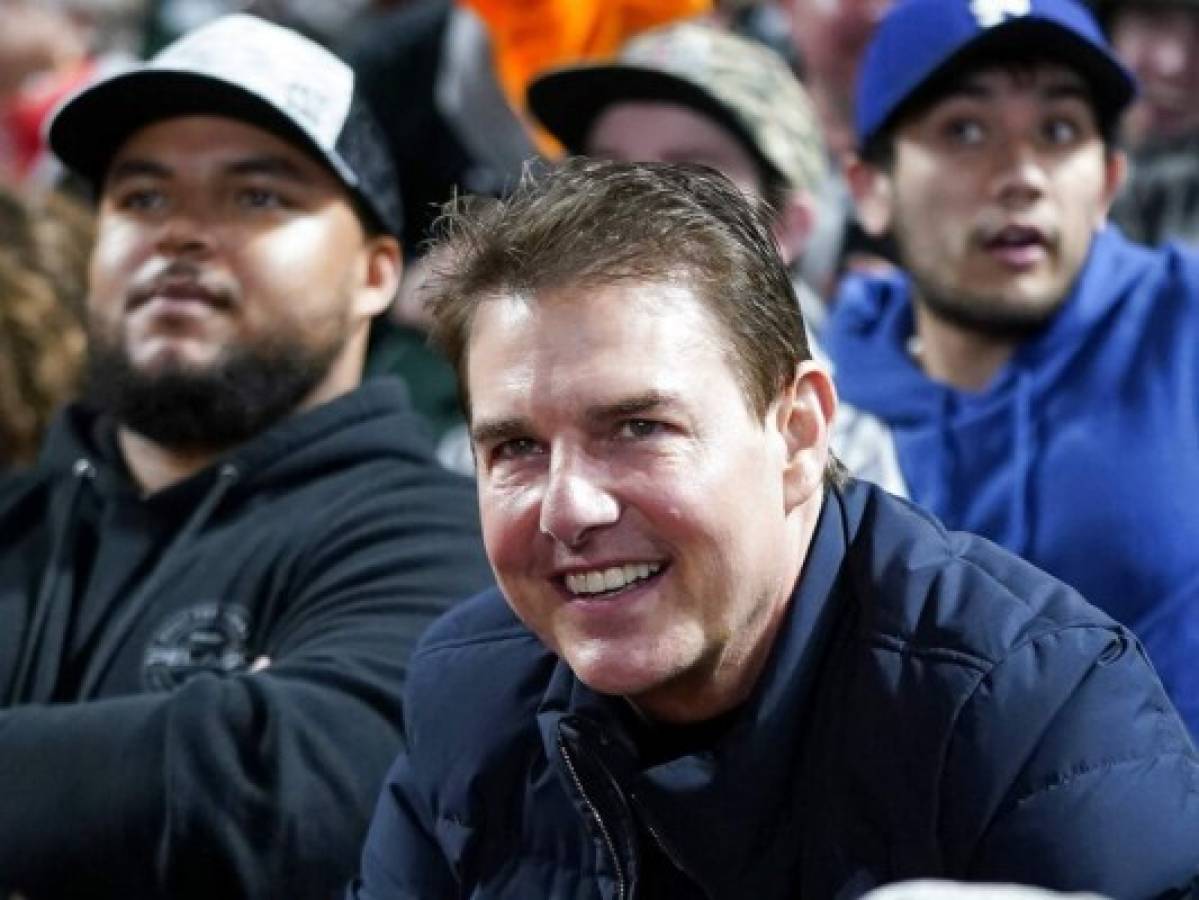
(185,232)
(576,502)
(1020,176)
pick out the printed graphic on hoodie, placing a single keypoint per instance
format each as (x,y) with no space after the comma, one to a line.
(207,637)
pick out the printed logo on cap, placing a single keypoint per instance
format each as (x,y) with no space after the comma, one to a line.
(990,13)
(302,79)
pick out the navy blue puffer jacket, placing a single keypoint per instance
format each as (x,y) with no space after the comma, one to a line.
(933,707)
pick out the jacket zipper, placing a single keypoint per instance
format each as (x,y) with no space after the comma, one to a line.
(591,808)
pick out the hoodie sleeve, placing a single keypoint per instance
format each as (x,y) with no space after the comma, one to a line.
(1070,770)
(258,784)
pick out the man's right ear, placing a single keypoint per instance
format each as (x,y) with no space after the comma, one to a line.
(873,195)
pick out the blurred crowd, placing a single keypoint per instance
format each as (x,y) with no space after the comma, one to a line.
(448,82)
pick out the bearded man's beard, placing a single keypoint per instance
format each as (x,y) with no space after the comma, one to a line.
(189,409)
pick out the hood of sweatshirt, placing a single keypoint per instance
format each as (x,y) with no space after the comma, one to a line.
(970,456)
(89,484)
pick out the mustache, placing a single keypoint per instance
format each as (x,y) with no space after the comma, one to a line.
(182,280)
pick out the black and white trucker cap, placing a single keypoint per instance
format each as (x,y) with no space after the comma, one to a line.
(246,68)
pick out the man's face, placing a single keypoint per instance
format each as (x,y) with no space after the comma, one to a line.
(645,131)
(225,257)
(634,508)
(994,195)
(1160,44)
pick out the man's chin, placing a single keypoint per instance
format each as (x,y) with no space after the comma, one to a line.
(1012,315)
(185,401)
(176,359)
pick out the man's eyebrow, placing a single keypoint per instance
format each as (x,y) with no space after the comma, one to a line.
(1066,90)
(637,404)
(274,166)
(496,431)
(135,167)
(970,88)
(493,431)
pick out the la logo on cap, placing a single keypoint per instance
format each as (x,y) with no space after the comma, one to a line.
(991,12)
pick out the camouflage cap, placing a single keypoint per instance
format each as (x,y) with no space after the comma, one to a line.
(743,85)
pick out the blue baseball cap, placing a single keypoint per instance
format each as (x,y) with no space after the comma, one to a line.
(920,40)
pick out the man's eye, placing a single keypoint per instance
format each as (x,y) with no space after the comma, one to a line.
(1061,131)
(261,198)
(517,448)
(142,199)
(638,429)
(965,131)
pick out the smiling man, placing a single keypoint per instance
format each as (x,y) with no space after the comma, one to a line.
(1039,372)
(716,666)
(210,583)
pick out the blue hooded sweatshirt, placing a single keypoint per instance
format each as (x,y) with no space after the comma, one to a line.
(1081,455)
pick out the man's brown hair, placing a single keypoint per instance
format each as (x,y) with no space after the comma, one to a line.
(591,223)
(594,223)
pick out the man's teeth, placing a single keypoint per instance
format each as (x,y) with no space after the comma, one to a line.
(612,579)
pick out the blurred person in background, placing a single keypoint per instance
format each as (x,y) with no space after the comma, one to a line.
(830,37)
(211,580)
(323,21)
(1159,42)
(1038,371)
(44,245)
(47,50)
(691,92)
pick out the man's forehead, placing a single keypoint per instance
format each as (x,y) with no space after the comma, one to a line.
(1041,76)
(221,140)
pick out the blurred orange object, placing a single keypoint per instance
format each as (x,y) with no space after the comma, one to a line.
(529,36)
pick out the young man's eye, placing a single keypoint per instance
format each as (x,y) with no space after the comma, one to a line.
(1061,131)
(967,132)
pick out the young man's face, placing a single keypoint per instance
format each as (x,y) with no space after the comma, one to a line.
(1160,44)
(994,195)
(640,517)
(222,248)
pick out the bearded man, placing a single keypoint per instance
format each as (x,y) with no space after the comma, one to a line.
(210,582)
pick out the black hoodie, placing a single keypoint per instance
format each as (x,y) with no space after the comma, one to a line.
(139,754)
